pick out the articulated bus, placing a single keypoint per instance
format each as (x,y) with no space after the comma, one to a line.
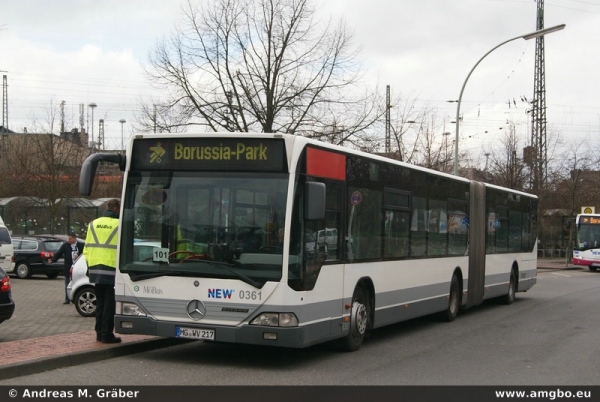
(273,239)
(587,242)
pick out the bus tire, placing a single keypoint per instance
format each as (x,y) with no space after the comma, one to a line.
(453,301)
(359,317)
(592,268)
(510,296)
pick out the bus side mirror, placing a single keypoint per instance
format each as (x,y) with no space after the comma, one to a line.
(88,169)
(314,209)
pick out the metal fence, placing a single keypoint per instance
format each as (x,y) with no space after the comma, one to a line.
(554,253)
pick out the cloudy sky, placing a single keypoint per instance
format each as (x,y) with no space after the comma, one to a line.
(82,51)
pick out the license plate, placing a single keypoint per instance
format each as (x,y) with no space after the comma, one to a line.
(195,333)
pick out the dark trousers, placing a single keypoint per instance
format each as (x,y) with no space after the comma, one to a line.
(67,280)
(105,311)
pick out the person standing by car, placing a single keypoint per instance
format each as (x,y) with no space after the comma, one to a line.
(69,251)
(101,256)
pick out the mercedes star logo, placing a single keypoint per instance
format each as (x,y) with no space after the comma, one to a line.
(196,310)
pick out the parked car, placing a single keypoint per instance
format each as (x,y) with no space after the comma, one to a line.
(83,294)
(63,238)
(327,239)
(7,305)
(31,254)
(6,249)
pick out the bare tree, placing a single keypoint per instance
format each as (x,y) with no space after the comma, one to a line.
(41,166)
(575,184)
(45,168)
(264,65)
(160,118)
(506,164)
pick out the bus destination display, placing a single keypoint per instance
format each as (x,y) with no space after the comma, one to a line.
(228,154)
(589,220)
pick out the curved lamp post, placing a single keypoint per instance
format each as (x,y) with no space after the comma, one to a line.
(92,106)
(528,36)
(122,121)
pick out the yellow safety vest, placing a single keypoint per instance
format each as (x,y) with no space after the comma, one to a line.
(101,247)
(183,244)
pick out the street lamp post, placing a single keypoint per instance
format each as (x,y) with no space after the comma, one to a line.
(528,36)
(122,121)
(92,106)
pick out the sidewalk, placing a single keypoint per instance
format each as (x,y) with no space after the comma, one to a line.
(44,334)
(556,263)
(35,355)
(65,344)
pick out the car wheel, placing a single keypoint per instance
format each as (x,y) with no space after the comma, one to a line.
(52,275)
(85,302)
(23,271)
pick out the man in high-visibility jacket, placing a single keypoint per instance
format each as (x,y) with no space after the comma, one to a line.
(101,256)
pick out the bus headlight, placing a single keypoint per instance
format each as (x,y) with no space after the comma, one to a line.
(276,320)
(124,308)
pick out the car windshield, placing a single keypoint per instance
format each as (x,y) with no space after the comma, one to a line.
(4,236)
(204,225)
(53,246)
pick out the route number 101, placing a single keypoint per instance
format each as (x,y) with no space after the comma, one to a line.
(160,254)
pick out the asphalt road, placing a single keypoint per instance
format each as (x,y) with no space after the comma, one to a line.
(547,337)
(39,310)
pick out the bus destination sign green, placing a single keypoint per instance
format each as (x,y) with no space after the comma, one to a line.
(230,154)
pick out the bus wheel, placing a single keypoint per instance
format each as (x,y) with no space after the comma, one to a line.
(358,322)
(510,296)
(592,268)
(453,301)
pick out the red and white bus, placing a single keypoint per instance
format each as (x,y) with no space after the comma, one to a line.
(587,242)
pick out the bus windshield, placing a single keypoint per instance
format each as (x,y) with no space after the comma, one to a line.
(198,224)
(588,236)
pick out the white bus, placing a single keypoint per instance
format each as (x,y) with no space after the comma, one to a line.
(274,239)
(587,242)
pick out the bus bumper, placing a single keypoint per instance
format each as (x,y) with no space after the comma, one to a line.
(293,337)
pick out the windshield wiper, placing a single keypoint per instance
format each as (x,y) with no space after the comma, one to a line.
(243,277)
(135,276)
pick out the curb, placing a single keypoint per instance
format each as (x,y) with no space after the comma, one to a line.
(67,360)
(560,267)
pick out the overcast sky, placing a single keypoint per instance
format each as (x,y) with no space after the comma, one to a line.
(83,51)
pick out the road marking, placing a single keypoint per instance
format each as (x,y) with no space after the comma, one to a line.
(553,273)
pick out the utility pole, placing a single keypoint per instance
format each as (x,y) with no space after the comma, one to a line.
(387,121)
(538,115)
(4,102)
(101,134)
(62,117)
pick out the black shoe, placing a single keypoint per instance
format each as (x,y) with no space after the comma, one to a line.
(114,339)
(66,302)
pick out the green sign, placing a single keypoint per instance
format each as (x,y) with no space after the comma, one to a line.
(213,154)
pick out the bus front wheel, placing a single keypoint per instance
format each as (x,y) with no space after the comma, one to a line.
(359,317)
